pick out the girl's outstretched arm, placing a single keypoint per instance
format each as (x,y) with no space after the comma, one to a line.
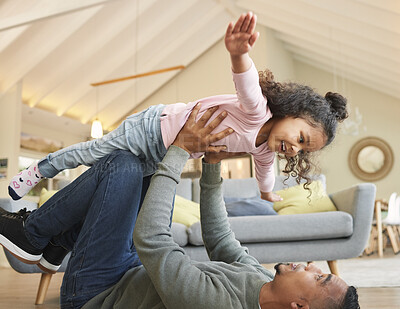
(240,39)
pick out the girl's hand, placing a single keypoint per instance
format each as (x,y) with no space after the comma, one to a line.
(271,197)
(197,137)
(240,38)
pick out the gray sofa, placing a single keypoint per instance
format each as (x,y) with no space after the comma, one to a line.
(326,236)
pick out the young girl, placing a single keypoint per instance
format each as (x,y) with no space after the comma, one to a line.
(295,122)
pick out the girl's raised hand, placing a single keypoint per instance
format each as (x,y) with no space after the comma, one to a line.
(240,38)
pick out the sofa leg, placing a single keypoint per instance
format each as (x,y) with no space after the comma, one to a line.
(333,267)
(43,286)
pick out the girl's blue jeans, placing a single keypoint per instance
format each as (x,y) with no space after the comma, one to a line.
(94,217)
(139,133)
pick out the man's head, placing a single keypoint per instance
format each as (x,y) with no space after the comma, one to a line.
(299,286)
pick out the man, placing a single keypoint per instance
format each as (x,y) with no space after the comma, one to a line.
(96,215)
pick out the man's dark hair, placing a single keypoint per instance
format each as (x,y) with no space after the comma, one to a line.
(350,300)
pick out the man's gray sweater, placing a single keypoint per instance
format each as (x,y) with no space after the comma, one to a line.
(169,278)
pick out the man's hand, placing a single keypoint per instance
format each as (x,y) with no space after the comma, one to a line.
(216,157)
(196,137)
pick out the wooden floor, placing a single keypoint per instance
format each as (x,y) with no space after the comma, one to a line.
(18,291)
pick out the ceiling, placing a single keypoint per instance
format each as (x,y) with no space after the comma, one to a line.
(57,48)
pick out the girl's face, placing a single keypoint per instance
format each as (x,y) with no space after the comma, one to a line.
(289,135)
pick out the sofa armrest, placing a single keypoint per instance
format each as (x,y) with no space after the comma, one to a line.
(358,201)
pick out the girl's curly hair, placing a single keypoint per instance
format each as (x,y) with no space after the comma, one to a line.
(300,101)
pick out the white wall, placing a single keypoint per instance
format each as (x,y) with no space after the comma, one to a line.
(10,127)
(210,74)
(380,117)
(63,136)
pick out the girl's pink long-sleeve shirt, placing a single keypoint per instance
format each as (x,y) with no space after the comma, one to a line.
(247,113)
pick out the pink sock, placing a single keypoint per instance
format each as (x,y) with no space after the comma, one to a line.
(24,181)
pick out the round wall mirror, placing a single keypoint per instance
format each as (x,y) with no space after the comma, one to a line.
(371,159)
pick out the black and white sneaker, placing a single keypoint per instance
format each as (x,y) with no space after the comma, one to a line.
(52,258)
(13,238)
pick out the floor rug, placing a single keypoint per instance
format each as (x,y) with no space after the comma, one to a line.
(371,271)
(367,271)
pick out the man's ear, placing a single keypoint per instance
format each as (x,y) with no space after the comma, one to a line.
(299,305)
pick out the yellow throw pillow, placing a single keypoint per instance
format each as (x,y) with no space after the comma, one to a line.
(45,195)
(296,200)
(186,211)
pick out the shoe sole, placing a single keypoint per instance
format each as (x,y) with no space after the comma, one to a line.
(20,254)
(13,195)
(47,267)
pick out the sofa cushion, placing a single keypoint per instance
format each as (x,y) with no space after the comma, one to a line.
(194,234)
(259,229)
(243,188)
(184,188)
(45,195)
(248,187)
(282,181)
(255,206)
(185,211)
(297,200)
(179,234)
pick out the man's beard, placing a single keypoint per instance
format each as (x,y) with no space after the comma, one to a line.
(278,272)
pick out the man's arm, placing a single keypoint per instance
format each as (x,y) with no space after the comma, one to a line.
(219,240)
(167,265)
